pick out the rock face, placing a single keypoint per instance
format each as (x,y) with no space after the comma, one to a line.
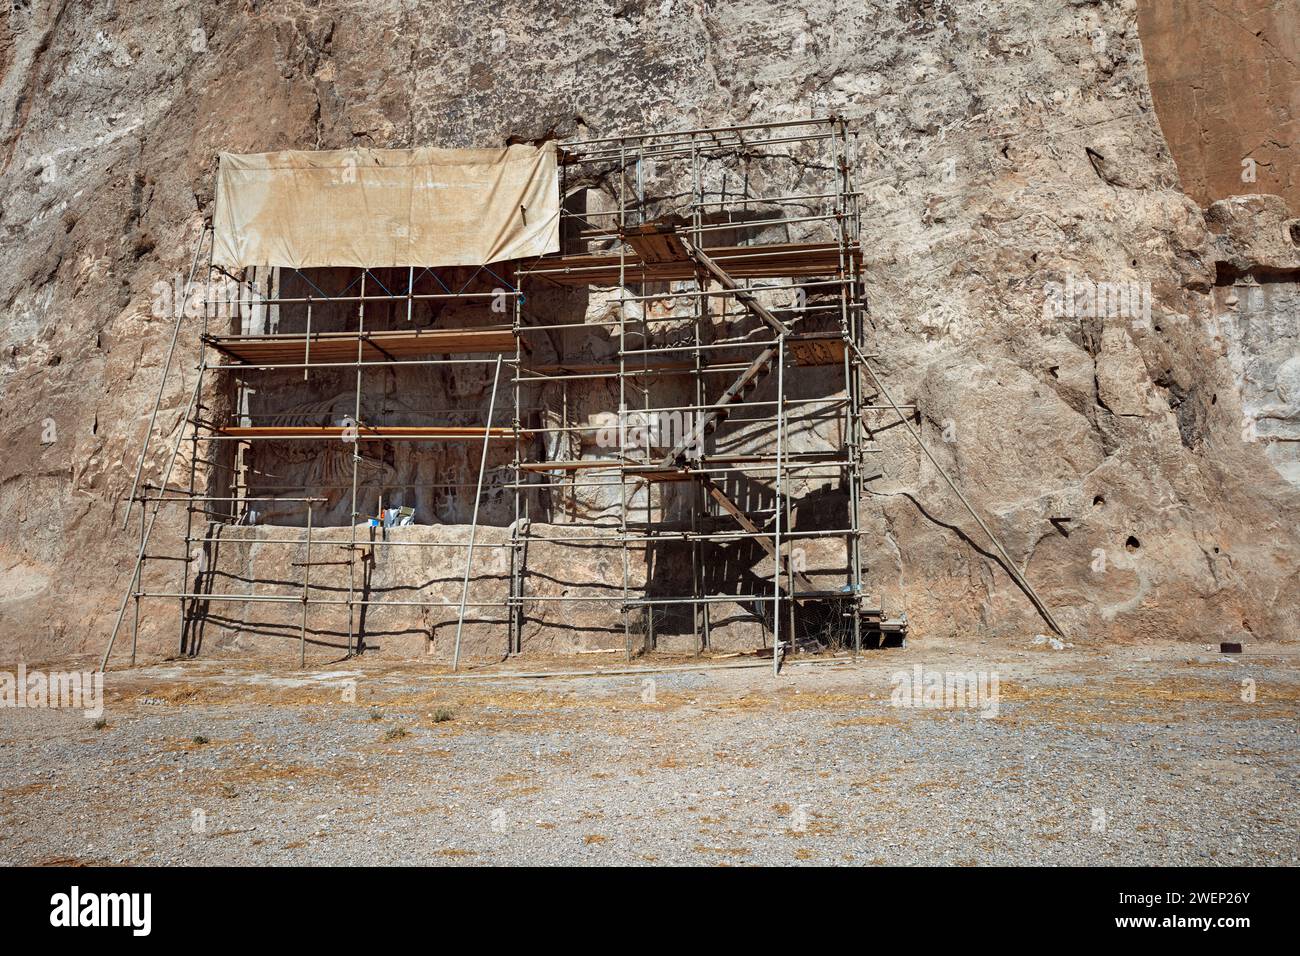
(1255,315)
(1225,77)
(1041,287)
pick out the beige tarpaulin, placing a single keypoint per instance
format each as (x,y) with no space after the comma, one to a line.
(386,207)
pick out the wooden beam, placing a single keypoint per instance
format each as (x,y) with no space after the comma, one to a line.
(742,295)
(770,260)
(368,432)
(342,346)
(656,243)
(817,348)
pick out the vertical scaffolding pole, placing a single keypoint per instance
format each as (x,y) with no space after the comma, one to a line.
(194,463)
(853,476)
(356,463)
(306,585)
(189,507)
(167,365)
(622,388)
(844,232)
(776,536)
(473,525)
(515,607)
(306,361)
(790,574)
(651,430)
(695,488)
(135,626)
(700,613)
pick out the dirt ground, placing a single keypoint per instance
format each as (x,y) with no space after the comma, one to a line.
(1164,754)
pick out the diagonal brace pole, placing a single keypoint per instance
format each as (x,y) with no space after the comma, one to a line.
(473,527)
(1011,565)
(167,366)
(144,540)
(742,295)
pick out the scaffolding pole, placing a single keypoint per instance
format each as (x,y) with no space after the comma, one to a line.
(306,585)
(473,524)
(144,543)
(167,365)
(776,536)
(622,389)
(356,464)
(1012,569)
(724,286)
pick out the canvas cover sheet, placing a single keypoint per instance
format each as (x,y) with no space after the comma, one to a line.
(386,207)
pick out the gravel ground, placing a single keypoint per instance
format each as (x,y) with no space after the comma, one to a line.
(1141,755)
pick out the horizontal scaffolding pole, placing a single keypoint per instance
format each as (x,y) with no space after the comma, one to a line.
(684,294)
(363,433)
(761,200)
(690,536)
(687,149)
(829,594)
(264,366)
(298,599)
(327,542)
(545,539)
(573,146)
(601,236)
(247,304)
(687,369)
(189,499)
(717,293)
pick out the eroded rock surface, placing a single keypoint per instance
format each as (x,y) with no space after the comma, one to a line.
(1225,75)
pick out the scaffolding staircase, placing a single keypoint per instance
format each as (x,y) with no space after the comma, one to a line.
(662,242)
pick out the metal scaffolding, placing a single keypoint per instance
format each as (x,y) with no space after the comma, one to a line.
(729,260)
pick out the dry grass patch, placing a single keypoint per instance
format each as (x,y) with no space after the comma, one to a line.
(506,778)
(737,851)
(1123,700)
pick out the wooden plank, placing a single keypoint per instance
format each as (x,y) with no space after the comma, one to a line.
(368,432)
(771,260)
(816,349)
(656,243)
(653,474)
(377,346)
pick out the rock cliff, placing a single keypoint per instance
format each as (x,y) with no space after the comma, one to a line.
(1135,451)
